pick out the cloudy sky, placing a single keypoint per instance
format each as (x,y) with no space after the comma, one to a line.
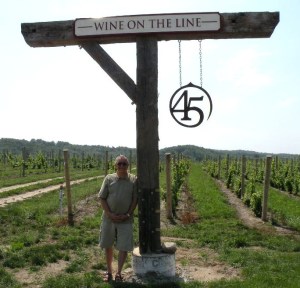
(62,94)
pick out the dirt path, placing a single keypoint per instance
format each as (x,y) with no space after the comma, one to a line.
(5,189)
(27,195)
(248,217)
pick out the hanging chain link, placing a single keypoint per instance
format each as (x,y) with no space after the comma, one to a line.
(200,60)
(179,50)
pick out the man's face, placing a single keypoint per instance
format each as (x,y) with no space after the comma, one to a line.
(122,165)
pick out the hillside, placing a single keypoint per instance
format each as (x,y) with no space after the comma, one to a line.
(15,146)
(34,146)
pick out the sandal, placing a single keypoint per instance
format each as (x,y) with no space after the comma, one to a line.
(107,277)
(118,277)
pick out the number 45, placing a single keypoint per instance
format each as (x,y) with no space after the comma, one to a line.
(187,107)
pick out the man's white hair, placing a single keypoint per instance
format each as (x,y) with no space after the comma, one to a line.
(121,158)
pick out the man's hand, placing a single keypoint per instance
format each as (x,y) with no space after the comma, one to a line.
(118,218)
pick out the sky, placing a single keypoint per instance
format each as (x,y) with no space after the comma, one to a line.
(62,94)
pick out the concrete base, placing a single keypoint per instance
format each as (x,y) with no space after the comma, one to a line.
(162,264)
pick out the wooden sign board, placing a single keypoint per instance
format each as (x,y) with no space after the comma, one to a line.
(158,23)
(232,26)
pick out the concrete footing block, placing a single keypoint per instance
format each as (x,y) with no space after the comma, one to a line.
(162,264)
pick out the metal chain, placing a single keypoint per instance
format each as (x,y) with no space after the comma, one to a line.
(200,60)
(179,48)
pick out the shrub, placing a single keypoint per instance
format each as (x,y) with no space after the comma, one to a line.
(256,203)
(250,189)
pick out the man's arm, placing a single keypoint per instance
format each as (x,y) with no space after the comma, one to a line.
(132,206)
(109,214)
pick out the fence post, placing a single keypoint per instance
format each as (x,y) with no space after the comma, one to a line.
(243,176)
(68,187)
(219,167)
(25,158)
(227,166)
(168,182)
(266,188)
(130,161)
(106,163)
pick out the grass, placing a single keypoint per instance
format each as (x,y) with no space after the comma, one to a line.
(285,210)
(263,258)
(32,187)
(33,235)
(11,176)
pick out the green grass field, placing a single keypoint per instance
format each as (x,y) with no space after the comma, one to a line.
(35,238)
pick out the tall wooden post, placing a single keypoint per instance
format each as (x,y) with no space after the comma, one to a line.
(130,161)
(68,187)
(219,167)
(266,188)
(227,166)
(169,190)
(24,153)
(106,162)
(147,145)
(243,176)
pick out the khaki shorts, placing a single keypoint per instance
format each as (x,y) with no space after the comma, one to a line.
(119,233)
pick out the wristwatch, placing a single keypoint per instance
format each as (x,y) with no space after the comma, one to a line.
(128,215)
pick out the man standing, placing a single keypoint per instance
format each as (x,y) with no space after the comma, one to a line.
(118,197)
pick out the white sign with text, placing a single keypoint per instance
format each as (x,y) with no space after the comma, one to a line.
(160,23)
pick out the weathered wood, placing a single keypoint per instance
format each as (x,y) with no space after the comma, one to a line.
(243,176)
(169,186)
(233,25)
(266,188)
(147,145)
(111,68)
(68,187)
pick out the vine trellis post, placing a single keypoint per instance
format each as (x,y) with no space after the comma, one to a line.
(144,92)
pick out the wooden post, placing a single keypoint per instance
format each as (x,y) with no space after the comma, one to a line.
(227,166)
(266,188)
(147,146)
(219,167)
(24,153)
(106,162)
(130,161)
(59,161)
(243,176)
(168,185)
(68,187)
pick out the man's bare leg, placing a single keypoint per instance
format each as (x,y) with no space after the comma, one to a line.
(121,260)
(109,259)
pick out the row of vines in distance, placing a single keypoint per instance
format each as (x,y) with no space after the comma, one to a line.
(285,176)
(50,162)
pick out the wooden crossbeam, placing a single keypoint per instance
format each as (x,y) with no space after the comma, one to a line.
(233,25)
(112,69)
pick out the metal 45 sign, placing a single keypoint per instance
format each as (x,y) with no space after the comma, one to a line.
(189,104)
